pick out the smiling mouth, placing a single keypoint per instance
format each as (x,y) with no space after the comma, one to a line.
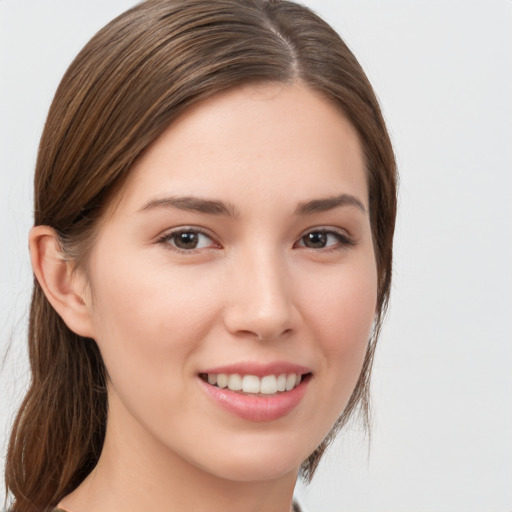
(254,385)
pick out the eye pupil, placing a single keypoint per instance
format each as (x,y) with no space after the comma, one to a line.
(186,240)
(316,240)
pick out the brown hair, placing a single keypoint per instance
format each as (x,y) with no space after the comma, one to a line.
(126,86)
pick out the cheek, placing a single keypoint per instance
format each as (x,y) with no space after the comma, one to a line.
(344,306)
(149,322)
(342,316)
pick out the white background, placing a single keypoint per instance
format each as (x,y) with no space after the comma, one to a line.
(442,433)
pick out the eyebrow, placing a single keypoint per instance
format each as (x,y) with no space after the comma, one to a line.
(194,204)
(215,207)
(329,203)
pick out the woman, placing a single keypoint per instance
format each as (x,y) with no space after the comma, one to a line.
(214,213)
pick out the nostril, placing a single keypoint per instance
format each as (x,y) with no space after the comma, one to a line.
(263,336)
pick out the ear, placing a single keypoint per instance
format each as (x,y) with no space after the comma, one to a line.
(67,291)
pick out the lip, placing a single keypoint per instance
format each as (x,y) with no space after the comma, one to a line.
(257,408)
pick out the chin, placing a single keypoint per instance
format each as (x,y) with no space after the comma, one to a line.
(257,469)
(259,459)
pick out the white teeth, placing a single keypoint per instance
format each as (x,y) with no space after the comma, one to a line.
(235,382)
(290,381)
(281,382)
(267,385)
(222,380)
(250,384)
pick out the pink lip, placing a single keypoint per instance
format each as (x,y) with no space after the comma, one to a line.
(257,408)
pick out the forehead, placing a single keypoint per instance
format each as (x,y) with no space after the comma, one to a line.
(267,140)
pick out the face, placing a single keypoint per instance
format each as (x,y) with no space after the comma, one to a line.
(238,255)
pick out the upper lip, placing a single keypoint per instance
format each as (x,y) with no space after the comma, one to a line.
(259,369)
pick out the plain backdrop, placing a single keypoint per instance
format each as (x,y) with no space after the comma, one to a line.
(442,430)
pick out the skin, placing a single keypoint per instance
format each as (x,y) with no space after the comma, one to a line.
(253,290)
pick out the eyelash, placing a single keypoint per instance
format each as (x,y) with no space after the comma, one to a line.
(343,240)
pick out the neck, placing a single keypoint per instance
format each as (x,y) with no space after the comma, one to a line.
(146,476)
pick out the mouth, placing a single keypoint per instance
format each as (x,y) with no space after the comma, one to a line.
(254,385)
(257,392)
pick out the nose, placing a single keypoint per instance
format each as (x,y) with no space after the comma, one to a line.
(260,298)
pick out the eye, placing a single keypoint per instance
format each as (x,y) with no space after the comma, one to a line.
(324,239)
(188,239)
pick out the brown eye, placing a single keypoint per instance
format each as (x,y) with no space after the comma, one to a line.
(188,240)
(322,239)
(315,240)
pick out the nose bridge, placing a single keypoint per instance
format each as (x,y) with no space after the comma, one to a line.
(261,302)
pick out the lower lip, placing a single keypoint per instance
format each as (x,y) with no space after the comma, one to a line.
(257,408)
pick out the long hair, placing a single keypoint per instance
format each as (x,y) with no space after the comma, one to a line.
(135,76)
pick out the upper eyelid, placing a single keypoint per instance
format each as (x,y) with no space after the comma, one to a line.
(327,229)
(184,229)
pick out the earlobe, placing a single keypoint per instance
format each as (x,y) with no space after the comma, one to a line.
(63,288)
